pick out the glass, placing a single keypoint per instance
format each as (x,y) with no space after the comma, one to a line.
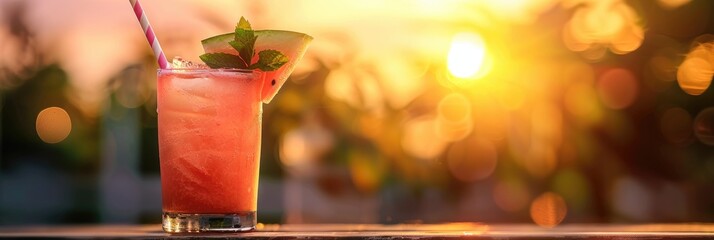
(209,124)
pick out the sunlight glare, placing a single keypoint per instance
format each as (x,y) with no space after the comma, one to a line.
(467,55)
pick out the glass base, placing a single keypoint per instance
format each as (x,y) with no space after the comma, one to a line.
(188,222)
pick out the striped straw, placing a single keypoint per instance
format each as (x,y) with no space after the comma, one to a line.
(150,36)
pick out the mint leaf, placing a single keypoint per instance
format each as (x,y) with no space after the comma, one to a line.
(247,41)
(243,24)
(222,60)
(237,45)
(244,41)
(244,52)
(270,60)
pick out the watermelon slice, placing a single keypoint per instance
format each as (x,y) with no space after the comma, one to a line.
(292,44)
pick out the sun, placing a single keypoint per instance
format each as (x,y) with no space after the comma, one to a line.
(467,55)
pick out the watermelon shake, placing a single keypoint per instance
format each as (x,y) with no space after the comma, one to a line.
(209,122)
(209,141)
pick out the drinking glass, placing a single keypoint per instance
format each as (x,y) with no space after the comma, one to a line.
(209,125)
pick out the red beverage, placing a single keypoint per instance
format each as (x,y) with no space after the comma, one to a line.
(209,127)
(209,140)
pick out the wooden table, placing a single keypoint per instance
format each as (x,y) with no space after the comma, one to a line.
(400,231)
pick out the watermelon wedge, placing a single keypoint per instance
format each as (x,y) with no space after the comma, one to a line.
(292,44)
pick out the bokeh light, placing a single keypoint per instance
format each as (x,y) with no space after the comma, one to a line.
(294,149)
(454,117)
(600,25)
(305,145)
(695,73)
(421,138)
(672,4)
(472,159)
(53,124)
(580,97)
(632,199)
(548,210)
(400,78)
(704,126)
(617,88)
(573,187)
(339,86)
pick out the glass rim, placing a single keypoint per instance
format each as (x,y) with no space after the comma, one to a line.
(193,70)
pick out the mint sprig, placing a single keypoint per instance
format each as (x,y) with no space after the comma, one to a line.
(244,44)
(223,60)
(244,41)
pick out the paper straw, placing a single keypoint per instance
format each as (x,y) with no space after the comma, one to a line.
(149,33)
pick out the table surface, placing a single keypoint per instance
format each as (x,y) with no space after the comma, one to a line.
(374,231)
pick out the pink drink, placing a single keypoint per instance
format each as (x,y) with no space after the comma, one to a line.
(209,146)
